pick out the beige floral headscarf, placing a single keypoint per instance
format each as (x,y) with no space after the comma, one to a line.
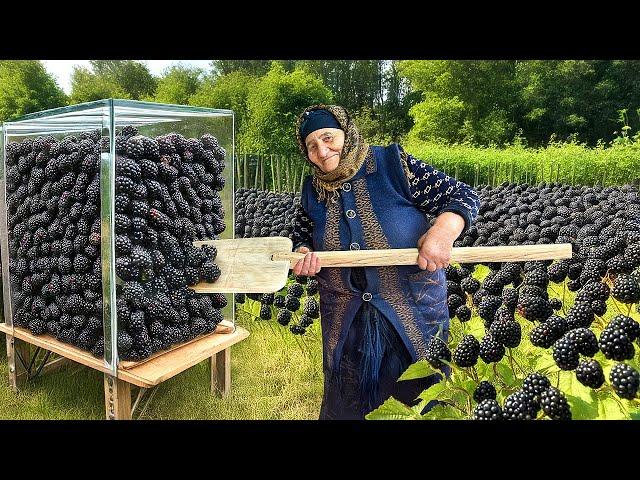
(353,153)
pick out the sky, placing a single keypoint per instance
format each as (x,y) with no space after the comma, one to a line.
(62,69)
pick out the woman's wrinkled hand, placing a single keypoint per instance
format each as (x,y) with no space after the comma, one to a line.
(309,265)
(434,248)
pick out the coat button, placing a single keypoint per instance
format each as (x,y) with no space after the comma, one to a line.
(351,214)
(366,296)
(346,186)
(354,246)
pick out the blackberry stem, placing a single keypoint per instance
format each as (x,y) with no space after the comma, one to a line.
(564,289)
(629,311)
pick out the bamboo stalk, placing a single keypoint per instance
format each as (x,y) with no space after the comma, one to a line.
(278,172)
(273,174)
(288,173)
(302,172)
(261,172)
(238,169)
(255,182)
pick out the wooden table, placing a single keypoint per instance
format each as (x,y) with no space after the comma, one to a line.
(145,374)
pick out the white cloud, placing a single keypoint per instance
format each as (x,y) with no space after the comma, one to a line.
(62,69)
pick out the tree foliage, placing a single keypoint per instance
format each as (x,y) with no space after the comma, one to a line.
(230,91)
(26,87)
(112,79)
(273,106)
(178,84)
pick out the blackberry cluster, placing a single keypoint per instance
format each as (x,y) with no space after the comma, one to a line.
(488,409)
(625,380)
(265,214)
(437,350)
(53,197)
(484,391)
(589,373)
(554,404)
(467,351)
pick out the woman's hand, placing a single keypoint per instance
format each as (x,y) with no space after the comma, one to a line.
(309,265)
(434,248)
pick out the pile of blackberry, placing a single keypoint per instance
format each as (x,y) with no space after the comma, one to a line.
(259,213)
(167,195)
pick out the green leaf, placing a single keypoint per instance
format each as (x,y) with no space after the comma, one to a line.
(449,364)
(506,373)
(581,409)
(443,412)
(434,392)
(635,415)
(420,369)
(610,409)
(393,409)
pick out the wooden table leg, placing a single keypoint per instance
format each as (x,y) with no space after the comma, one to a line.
(117,398)
(220,365)
(17,371)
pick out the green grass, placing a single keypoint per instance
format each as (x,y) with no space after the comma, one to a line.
(274,375)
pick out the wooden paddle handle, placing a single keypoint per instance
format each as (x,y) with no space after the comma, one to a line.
(409,256)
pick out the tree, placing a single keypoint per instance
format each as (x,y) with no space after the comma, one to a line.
(230,91)
(112,79)
(476,99)
(256,68)
(273,106)
(178,84)
(26,87)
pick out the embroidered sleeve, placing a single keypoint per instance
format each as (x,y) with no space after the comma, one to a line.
(302,228)
(435,192)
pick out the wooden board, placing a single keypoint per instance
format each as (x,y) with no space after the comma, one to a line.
(246,265)
(146,374)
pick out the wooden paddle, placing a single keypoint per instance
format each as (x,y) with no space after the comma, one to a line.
(261,265)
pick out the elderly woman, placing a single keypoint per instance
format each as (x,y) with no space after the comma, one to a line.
(376,321)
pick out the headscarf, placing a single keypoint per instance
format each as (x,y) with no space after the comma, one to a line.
(353,154)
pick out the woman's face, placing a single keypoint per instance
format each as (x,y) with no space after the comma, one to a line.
(324,147)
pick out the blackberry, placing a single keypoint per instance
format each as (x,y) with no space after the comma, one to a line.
(534,308)
(279,301)
(491,350)
(510,298)
(625,289)
(295,289)
(98,348)
(589,373)
(218,300)
(565,353)
(453,302)
(297,329)
(557,272)
(625,380)
(628,325)
(599,307)
(312,286)
(506,332)
(586,341)
(520,406)
(127,166)
(437,350)
(535,383)
(580,315)
(209,272)
(463,313)
(267,298)
(488,409)
(292,303)
(555,303)
(135,147)
(148,168)
(488,307)
(554,404)
(311,308)
(616,344)
(484,391)
(37,326)
(470,285)
(467,351)
(239,298)
(125,341)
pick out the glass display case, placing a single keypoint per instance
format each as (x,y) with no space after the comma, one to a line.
(100,204)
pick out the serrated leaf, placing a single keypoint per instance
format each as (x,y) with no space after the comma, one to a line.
(420,369)
(449,364)
(506,373)
(443,412)
(610,409)
(635,415)
(581,409)
(393,409)
(434,392)
(570,385)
